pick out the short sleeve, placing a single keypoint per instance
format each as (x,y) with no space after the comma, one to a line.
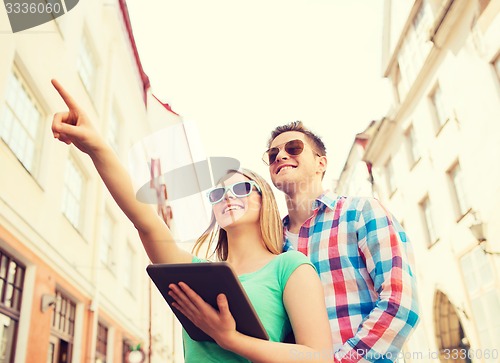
(196,259)
(290,261)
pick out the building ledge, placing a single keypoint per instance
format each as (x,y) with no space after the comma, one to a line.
(445,20)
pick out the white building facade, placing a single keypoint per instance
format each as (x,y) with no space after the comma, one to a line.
(432,160)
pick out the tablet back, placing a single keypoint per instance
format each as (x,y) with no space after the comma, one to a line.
(209,280)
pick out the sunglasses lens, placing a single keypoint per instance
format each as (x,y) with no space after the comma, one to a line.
(242,189)
(216,195)
(294,147)
(272,154)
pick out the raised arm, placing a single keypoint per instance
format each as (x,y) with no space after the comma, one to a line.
(74,127)
(305,306)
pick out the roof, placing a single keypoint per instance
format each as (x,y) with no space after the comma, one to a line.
(166,105)
(128,26)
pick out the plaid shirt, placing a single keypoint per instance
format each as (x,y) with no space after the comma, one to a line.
(363,257)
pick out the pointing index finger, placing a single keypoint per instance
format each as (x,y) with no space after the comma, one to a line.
(70,102)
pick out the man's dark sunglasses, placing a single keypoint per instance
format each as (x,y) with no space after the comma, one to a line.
(292,147)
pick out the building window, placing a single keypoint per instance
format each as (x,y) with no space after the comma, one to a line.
(390,176)
(11,293)
(20,121)
(415,46)
(455,175)
(479,277)
(101,347)
(62,330)
(400,86)
(438,107)
(63,320)
(114,130)
(421,26)
(51,354)
(87,64)
(412,146)
(429,225)
(128,264)
(73,193)
(106,248)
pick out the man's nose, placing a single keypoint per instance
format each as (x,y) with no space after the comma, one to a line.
(282,155)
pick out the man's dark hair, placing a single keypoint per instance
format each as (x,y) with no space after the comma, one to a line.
(314,139)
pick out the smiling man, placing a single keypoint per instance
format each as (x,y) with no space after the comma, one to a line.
(358,248)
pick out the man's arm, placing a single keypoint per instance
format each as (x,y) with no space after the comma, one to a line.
(387,255)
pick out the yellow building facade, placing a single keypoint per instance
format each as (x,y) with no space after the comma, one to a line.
(73,286)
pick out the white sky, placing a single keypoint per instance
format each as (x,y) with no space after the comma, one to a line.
(240,68)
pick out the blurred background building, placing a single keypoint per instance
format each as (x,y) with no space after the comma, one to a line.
(73,286)
(433,161)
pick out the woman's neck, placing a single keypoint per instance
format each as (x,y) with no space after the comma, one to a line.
(246,249)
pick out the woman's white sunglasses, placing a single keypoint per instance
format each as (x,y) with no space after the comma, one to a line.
(240,190)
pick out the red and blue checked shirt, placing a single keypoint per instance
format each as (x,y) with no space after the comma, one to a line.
(363,257)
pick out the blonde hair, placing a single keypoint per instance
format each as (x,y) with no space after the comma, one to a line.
(271,227)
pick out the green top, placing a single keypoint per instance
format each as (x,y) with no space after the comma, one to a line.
(264,288)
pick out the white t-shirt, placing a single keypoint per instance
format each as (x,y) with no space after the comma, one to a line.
(293,238)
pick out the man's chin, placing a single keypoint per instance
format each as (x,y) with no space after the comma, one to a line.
(292,186)
(286,186)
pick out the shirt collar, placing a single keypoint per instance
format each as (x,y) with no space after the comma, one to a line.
(327,199)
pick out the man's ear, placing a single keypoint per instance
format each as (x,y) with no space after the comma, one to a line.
(322,164)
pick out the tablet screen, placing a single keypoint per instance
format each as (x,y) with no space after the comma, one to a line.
(209,279)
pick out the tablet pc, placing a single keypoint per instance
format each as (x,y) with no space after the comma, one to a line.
(209,279)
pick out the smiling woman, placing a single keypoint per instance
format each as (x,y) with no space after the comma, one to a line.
(245,195)
(238,204)
(247,232)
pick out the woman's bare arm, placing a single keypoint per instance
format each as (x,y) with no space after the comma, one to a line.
(74,127)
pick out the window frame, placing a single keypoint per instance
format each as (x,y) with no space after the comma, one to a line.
(428,220)
(79,206)
(114,123)
(101,345)
(439,110)
(64,313)
(87,55)
(412,146)
(107,242)
(17,282)
(415,46)
(477,298)
(28,93)
(461,203)
(128,267)
(390,176)
(63,324)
